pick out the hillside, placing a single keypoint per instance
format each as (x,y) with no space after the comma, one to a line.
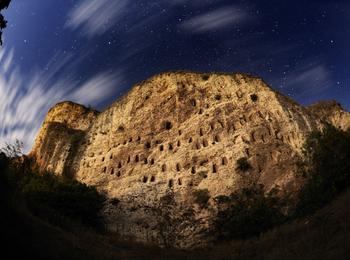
(180,133)
(324,235)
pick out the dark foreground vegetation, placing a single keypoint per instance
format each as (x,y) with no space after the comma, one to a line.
(54,218)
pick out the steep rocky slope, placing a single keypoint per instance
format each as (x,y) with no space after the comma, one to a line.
(177,133)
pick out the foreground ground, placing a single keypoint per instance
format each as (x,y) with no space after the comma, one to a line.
(324,235)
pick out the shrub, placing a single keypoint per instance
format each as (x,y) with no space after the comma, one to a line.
(246,213)
(243,164)
(326,168)
(48,194)
(201,197)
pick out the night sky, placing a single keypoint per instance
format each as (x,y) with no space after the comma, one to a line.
(93,51)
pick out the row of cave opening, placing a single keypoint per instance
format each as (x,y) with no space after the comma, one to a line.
(137,158)
(214,168)
(170,182)
(168,125)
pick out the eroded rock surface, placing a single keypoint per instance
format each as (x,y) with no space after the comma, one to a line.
(176,133)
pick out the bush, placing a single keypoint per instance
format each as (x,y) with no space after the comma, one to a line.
(201,197)
(326,168)
(48,194)
(247,213)
(57,199)
(243,164)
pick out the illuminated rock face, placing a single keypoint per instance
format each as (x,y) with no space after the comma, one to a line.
(177,133)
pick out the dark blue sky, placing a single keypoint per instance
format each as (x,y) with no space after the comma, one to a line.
(92,51)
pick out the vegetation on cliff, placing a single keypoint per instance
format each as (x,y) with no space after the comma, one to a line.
(59,200)
(247,212)
(326,168)
(3,5)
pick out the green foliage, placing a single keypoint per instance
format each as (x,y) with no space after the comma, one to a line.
(201,197)
(3,5)
(62,196)
(57,199)
(243,164)
(247,212)
(326,168)
(172,219)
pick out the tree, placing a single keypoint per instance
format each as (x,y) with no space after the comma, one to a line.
(247,212)
(173,219)
(326,168)
(13,150)
(3,5)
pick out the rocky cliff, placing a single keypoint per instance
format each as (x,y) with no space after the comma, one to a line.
(177,133)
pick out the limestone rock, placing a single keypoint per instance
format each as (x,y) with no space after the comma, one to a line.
(176,133)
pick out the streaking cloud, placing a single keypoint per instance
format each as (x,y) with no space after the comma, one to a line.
(95,17)
(214,20)
(25,100)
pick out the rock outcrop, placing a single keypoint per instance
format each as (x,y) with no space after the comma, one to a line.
(174,134)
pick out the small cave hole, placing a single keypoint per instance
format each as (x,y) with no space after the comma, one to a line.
(147,145)
(205,77)
(218,97)
(111,157)
(161,148)
(145,161)
(193,102)
(137,159)
(152,161)
(163,167)
(200,111)
(254,97)
(119,165)
(178,168)
(121,128)
(104,169)
(178,143)
(224,161)
(216,138)
(193,170)
(179,182)
(168,125)
(171,147)
(153,179)
(144,179)
(201,132)
(215,168)
(112,171)
(119,174)
(103,159)
(171,183)
(190,140)
(128,159)
(180,132)
(212,127)
(204,162)
(205,143)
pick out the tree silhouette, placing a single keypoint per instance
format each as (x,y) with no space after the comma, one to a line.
(3,5)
